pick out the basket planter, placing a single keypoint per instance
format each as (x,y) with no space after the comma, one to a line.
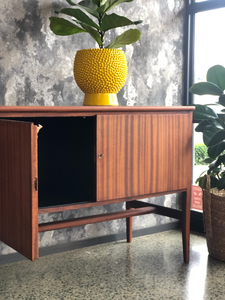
(100,74)
(214,222)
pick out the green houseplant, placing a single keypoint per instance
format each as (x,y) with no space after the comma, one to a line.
(82,23)
(92,17)
(212,125)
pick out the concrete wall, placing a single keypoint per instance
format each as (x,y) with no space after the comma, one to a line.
(36,68)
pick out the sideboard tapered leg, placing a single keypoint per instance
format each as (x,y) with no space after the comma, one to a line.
(186,223)
(129,224)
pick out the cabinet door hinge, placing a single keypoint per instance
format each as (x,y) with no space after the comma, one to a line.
(36,184)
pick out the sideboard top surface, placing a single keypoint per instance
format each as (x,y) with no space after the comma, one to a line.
(17,111)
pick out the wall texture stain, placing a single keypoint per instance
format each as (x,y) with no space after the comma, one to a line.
(36,68)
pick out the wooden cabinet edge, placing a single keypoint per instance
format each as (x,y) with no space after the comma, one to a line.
(34,172)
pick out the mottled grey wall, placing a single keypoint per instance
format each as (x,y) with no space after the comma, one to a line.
(36,68)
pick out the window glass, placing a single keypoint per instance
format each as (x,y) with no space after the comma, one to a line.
(208,51)
(209,41)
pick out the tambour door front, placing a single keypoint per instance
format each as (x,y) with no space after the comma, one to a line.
(18,187)
(141,154)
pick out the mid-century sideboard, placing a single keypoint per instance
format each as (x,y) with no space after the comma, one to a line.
(85,156)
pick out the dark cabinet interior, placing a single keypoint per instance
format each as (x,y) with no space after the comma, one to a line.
(66,160)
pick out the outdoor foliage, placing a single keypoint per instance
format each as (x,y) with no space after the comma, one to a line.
(212,125)
(201,154)
(99,23)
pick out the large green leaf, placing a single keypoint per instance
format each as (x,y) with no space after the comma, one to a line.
(214,170)
(221,183)
(208,133)
(109,4)
(79,15)
(128,37)
(205,88)
(212,166)
(114,21)
(208,160)
(214,151)
(88,3)
(220,160)
(203,112)
(213,182)
(61,26)
(87,6)
(217,123)
(217,138)
(222,118)
(202,125)
(99,2)
(96,36)
(222,100)
(216,74)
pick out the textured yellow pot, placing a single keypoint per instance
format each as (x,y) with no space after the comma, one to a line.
(100,74)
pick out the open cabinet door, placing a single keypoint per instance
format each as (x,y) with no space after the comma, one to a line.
(18,187)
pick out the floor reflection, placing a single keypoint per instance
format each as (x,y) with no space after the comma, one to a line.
(197,272)
(151,267)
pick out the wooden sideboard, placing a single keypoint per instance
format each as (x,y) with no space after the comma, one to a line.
(88,156)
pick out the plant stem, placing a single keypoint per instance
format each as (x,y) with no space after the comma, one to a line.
(102,33)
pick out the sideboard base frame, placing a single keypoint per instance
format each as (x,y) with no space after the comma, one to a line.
(133,208)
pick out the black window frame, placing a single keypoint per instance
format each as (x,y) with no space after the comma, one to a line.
(192,8)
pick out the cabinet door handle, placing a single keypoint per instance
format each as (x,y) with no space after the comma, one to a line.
(101,155)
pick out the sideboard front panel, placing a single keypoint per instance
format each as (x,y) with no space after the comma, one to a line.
(141,154)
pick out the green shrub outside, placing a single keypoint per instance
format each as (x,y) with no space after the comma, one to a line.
(200,154)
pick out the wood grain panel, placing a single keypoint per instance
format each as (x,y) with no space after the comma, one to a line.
(142,154)
(18,196)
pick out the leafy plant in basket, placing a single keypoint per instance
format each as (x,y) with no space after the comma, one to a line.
(108,62)
(212,125)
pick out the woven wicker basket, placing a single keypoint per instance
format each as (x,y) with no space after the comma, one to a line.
(214,221)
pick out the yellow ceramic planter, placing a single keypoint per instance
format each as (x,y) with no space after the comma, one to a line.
(100,74)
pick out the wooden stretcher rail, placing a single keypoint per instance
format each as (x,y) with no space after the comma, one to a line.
(95,219)
(160,210)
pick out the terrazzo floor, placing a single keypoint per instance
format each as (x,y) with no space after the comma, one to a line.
(151,267)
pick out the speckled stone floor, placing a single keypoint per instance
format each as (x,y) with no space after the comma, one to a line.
(151,267)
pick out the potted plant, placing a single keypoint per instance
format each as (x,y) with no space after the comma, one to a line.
(212,126)
(100,73)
